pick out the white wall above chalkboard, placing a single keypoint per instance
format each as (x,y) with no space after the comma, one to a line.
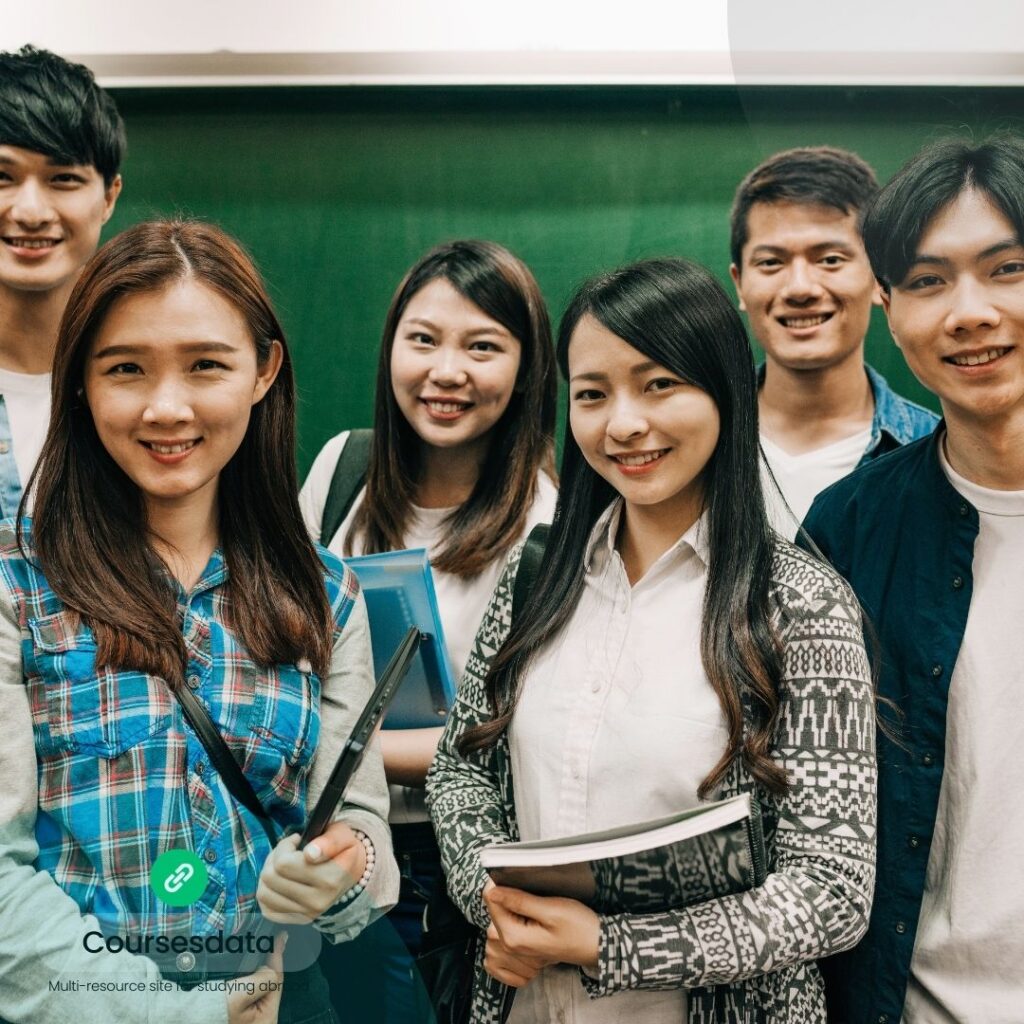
(243,42)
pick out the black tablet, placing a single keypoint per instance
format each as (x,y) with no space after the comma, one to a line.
(355,746)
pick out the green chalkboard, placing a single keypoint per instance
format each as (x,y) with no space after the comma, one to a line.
(337,191)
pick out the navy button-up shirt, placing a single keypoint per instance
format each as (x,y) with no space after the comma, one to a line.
(904,538)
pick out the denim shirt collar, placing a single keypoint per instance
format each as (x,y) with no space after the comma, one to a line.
(10,481)
(892,413)
(897,418)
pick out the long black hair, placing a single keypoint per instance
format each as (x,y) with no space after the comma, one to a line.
(676,313)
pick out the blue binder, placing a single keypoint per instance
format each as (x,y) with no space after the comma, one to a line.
(399,591)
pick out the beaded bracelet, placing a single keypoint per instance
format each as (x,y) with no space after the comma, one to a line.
(371,858)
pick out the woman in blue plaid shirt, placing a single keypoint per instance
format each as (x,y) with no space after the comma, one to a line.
(166,550)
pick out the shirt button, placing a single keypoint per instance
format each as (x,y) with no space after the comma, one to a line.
(964,509)
(193,682)
(901,927)
(5,447)
(209,855)
(200,767)
(936,671)
(913,842)
(883,1018)
(958,582)
(186,961)
(928,760)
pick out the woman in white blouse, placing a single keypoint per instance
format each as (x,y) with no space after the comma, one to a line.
(674,649)
(461,463)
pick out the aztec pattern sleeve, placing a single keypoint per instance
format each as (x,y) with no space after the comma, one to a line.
(816,899)
(466,795)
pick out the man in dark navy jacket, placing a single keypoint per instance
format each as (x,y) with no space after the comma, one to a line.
(932,539)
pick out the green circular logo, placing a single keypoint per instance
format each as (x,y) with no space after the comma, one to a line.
(178,877)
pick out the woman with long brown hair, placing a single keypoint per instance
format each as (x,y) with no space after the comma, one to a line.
(460,463)
(674,649)
(166,561)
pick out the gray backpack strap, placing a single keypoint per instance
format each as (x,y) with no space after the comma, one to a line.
(529,567)
(349,477)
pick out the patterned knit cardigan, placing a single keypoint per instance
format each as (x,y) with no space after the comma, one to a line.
(747,958)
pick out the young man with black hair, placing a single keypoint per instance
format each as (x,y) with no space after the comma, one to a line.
(804,281)
(61,143)
(932,540)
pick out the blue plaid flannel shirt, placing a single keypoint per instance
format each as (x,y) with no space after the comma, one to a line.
(122,778)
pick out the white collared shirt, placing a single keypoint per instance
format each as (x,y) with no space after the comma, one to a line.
(617,723)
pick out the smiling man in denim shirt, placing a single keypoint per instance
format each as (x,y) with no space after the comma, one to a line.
(61,143)
(804,281)
(932,540)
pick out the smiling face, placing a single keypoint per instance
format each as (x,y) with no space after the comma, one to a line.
(805,284)
(638,425)
(958,314)
(170,380)
(50,219)
(453,368)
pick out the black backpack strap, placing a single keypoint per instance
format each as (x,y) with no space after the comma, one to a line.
(222,760)
(529,566)
(349,477)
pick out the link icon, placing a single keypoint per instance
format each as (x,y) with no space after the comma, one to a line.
(178,878)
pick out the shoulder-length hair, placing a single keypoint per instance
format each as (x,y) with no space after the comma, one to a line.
(677,314)
(89,529)
(493,518)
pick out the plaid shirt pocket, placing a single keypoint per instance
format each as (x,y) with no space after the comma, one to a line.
(284,699)
(269,717)
(79,708)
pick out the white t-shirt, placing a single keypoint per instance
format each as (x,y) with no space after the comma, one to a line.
(968,963)
(802,477)
(618,696)
(462,602)
(27,400)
